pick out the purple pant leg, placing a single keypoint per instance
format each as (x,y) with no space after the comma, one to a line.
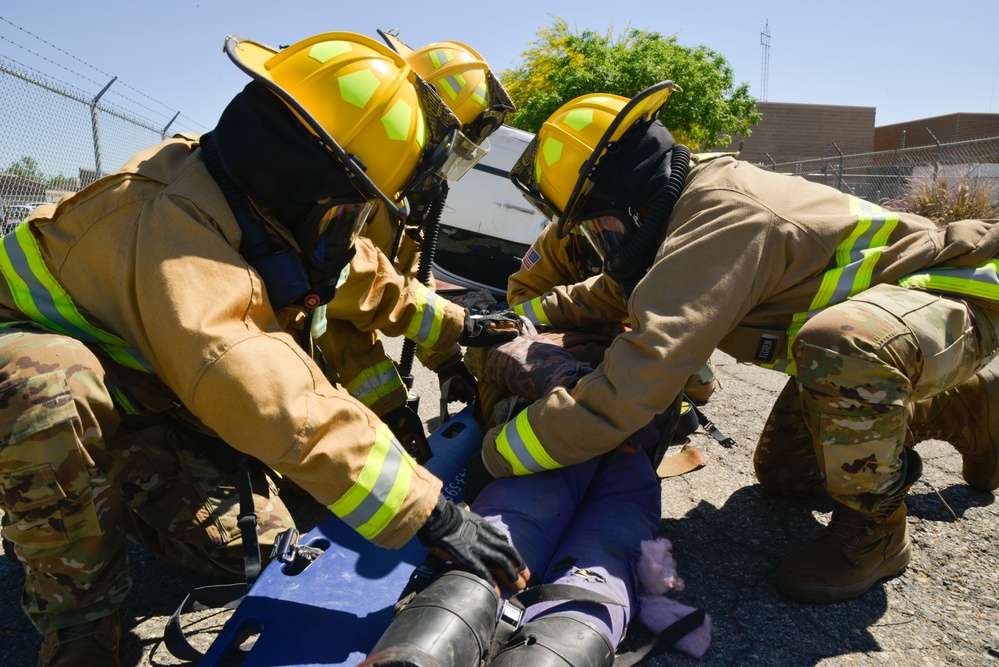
(535,510)
(581,526)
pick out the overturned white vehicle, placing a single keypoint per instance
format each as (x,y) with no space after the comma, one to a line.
(487,225)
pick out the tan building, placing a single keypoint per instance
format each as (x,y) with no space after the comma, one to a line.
(947,129)
(789,132)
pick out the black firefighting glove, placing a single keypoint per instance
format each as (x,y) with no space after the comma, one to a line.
(456,382)
(485,328)
(408,430)
(476,477)
(455,533)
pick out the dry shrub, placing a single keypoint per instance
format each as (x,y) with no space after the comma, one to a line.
(941,202)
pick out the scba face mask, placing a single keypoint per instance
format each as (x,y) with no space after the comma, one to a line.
(326,237)
(607,232)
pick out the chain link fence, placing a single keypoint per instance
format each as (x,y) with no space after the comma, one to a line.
(56,138)
(893,174)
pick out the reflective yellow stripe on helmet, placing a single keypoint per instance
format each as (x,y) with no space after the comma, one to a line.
(440,56)
(39,295)
(978,281)
(380,490)
(375,382)
(425,327)
(533,311)
(520,447)
(856,256)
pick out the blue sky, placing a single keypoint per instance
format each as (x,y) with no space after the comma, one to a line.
(909,60)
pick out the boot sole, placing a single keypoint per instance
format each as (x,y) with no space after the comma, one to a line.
(819,593)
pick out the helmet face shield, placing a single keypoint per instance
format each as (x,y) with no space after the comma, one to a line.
(464,156)
(523,176)
(607,232)
(442,135)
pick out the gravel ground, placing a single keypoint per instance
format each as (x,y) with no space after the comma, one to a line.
(728,538)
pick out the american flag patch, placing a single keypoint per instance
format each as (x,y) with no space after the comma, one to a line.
(531,257)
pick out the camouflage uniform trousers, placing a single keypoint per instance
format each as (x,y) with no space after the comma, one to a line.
(76,480)
(840,424)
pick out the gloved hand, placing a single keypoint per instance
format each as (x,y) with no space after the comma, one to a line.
(485,328)
(456,382)
(455,533)
(476,477)
(528,366)
(408,430)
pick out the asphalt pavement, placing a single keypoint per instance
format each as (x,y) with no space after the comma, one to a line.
(728,538)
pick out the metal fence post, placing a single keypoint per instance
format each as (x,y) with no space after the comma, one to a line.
(936,159)
(165,127)
(839,176)
(93,121)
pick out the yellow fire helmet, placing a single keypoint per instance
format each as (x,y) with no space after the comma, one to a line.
(462,79)
(458,74)
(556,171)
(386,125)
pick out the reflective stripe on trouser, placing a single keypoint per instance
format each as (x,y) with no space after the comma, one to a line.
(595,516)
(425,327)
(74,481)
(859,365)
(533,311)
(856,256)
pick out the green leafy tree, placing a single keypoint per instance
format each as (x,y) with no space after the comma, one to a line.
(562,64)
(26,167)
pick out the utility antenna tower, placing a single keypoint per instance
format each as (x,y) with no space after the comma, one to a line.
(765,76)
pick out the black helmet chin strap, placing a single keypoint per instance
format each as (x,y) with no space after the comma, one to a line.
(629,263)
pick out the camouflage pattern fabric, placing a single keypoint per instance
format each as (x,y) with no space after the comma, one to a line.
(529,365)
(785,460)
(860,363)
(76,480)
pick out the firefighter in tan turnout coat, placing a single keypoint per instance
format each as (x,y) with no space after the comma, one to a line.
(884,321)
(164,317)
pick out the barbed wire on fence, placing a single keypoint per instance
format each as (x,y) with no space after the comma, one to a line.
(106,76)
(57,137)
(892,174)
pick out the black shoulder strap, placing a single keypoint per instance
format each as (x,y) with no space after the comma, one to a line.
(225,596)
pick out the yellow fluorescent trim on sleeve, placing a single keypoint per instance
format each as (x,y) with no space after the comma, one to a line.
(517,439)
(366,480)
(386,446)
(504,449)
(533,311)
(534,445)
(396,497)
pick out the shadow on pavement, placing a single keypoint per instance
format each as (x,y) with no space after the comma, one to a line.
(727,556)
